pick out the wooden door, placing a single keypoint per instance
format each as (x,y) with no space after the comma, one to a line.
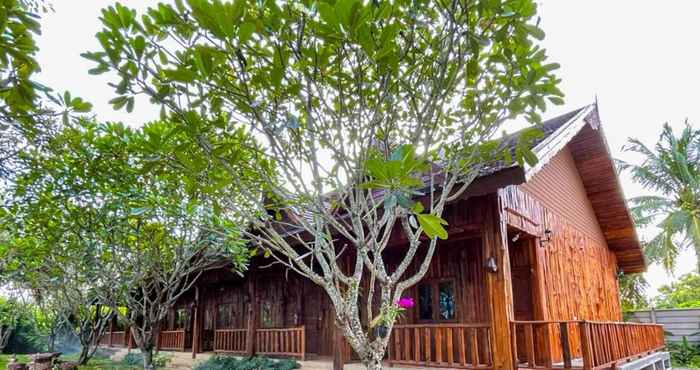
(522,279)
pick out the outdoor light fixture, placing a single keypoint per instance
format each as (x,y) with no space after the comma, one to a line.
(620,273)
(547,237)
(491,265)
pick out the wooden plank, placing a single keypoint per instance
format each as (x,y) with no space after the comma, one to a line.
(587,351)
(529,345)
(498,284)
(474,347)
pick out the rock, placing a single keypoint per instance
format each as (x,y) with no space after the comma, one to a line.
(68,365)
(16,366)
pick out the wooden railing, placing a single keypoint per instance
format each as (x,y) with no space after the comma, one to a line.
(172,339)
(284,342)
(230,340)
(113,339)
(118,338)
(464,346)
(581,344)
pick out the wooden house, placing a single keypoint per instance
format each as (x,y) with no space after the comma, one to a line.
(527,279)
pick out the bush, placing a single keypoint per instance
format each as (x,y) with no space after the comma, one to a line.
(135,359)
(684,354)
(255,363)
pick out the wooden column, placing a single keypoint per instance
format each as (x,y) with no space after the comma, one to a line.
(130,339)
(195,323)
(498,284)
(252,313)
(338,349)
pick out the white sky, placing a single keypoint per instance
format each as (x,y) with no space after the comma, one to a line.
(641,59)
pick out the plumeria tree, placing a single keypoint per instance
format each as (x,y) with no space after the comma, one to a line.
(371,116)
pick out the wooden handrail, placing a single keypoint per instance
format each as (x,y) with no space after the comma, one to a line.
(453,345)
(271,341)
(230,340)
(281,341)
(172,339)
(599,344)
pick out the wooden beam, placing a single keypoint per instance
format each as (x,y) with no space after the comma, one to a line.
(498,284)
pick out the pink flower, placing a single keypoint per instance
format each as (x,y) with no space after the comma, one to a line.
(405,302)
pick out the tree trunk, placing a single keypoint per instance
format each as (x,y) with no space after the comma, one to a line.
(374,363)
(84,354)
(148,359)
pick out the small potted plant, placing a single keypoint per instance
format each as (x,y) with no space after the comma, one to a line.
(389,315)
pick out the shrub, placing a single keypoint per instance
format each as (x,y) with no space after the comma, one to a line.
(135,359)
(255,363)
(684,354)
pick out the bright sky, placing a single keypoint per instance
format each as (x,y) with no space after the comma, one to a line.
(640,58)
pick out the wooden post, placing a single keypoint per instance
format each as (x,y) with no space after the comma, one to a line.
(565,346)
(498,284)
(586,347)
(338,349)
(111,329)
(130,339)
(252,314)
(195,324)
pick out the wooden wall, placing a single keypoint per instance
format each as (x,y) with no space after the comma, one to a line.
(579,271)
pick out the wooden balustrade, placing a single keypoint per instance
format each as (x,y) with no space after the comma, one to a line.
(172,340)
(118,338)
(464,346)
(284,341)
(581,344)
(230,340)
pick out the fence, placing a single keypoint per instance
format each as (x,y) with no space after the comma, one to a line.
(678,322)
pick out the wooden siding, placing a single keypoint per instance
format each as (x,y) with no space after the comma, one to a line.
(580,271)
(574,273)
(559,188)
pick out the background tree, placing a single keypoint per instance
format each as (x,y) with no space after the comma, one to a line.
(633,292)
(381,103)
(672,170)
(99,222)
(684,293)
(9,316)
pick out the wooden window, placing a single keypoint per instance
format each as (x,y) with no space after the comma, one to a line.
(208,319)
(224,316)
(436,300)
(182,319)
(266,319)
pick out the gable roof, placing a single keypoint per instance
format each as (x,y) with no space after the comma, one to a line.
(581,131)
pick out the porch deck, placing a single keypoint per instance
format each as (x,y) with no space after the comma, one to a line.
(541,345)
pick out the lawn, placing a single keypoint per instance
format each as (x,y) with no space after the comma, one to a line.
(96,363)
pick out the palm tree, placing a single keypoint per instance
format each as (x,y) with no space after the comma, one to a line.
(671,170)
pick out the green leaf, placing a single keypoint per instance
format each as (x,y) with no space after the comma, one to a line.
(535,31)
(327,14)
(432,226)
(245,32)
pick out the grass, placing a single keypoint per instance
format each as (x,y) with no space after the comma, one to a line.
(96,363)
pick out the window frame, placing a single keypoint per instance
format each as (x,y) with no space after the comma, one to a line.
(435,298)
(216,315)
